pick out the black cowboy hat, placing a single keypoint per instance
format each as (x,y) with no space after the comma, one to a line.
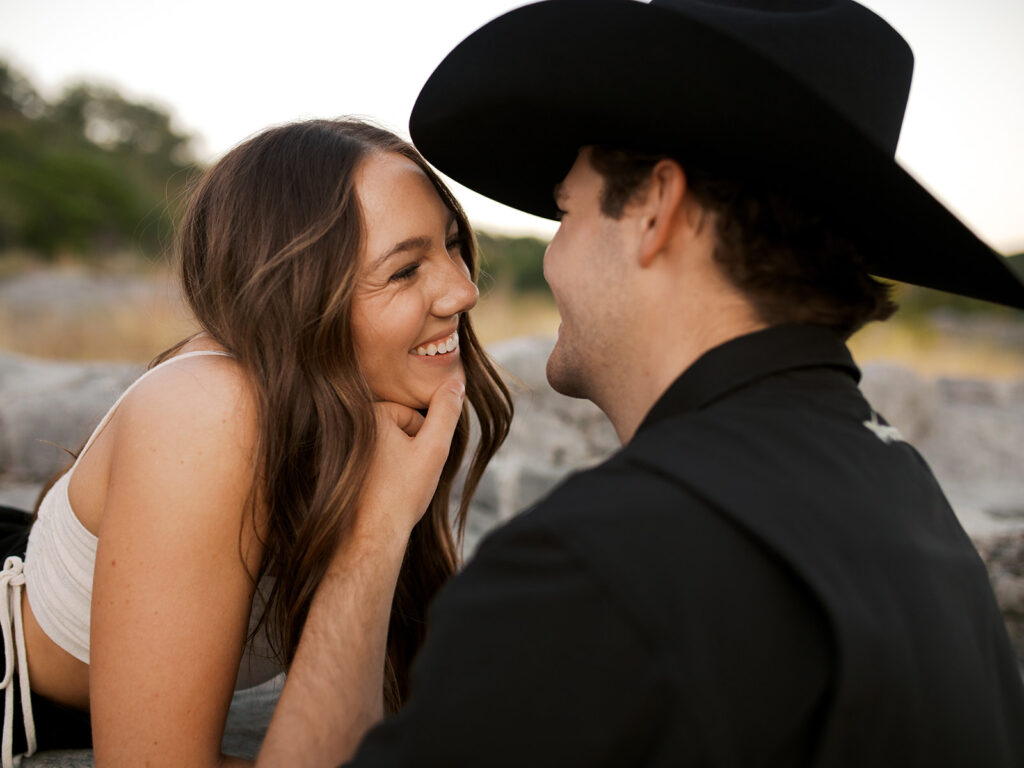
(802,96)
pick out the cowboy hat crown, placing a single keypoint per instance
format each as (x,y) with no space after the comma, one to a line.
(842,51)
(804,97)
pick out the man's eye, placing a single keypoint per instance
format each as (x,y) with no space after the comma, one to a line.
(404,273)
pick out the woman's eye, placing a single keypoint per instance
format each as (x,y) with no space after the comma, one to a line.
(455,242)
(404,273)
(559,213)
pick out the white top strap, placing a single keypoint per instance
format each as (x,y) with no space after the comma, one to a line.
(12,580)
(106,418)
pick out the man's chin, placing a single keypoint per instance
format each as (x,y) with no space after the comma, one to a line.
(563,376)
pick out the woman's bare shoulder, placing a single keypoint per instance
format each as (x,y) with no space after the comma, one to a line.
(193,406)
(185,439)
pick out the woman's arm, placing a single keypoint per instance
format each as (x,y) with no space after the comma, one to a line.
(171,595)
(333,693)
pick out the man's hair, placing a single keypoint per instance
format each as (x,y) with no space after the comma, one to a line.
(789,262)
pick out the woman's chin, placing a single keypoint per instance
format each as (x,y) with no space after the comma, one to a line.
(418,398)
(415,402)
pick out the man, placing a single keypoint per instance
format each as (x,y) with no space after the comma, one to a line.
(766,573)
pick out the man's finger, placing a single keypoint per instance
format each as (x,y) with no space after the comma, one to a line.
(442,416)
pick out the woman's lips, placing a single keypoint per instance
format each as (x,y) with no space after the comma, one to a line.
(445,346)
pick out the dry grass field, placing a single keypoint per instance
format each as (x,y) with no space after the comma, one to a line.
(118,310)
(122,309)
(969,352)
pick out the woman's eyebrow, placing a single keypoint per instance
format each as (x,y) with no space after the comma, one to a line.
(420,242)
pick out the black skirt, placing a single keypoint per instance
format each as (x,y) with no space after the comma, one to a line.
(57,726)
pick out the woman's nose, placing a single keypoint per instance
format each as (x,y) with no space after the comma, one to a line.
(456,292)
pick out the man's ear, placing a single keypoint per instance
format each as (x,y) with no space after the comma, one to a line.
(661,208)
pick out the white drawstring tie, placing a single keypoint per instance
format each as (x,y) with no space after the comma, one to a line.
(12,580)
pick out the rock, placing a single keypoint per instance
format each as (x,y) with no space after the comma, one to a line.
(19,495)
(902,397)
(971,432)
(48,406)
(248,718)
(60,758)
(74,292)
(1004,557)
(551,436)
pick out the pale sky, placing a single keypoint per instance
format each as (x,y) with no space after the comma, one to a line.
(228,69)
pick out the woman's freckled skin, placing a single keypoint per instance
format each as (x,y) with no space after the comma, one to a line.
(413,296)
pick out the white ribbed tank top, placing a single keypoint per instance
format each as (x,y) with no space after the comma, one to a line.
(61,554)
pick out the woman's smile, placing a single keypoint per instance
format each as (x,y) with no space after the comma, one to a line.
(415,284)
(446,346)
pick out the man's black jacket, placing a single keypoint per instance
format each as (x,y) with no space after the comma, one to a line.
(765,575)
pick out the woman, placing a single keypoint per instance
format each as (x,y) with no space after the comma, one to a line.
(330,271)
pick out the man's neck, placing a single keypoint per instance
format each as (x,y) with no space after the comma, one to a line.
(657,364)
(678,305)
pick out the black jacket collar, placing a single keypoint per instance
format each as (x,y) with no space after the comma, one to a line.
(742,360)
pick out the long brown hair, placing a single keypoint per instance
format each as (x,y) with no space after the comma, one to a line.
(269,254)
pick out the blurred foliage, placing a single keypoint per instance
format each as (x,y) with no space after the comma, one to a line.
(516,264)
(1017,264)
(94,173)
(513,263)
(91,173)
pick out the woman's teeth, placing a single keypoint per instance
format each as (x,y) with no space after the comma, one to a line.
(440,348)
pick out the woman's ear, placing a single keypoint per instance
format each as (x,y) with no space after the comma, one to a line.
(661,213)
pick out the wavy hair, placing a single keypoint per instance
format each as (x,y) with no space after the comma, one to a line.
(269,255)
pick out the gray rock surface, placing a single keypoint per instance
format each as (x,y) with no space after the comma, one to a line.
(971,432)
(20,495)
(551,436)
(248,719)
(47,404)
(72,292)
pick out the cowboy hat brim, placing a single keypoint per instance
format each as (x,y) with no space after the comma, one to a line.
(507,111)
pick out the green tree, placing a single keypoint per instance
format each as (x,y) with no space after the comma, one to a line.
(90,173)
(1017,264)
(18,97)
(513,263)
